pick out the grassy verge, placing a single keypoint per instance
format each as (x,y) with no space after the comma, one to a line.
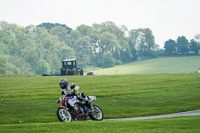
(166,125)
(30,99)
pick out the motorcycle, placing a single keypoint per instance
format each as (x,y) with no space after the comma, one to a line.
(73,108)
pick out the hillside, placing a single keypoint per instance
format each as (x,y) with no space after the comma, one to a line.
(157,65)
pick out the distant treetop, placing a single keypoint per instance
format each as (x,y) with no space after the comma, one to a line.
(49,26)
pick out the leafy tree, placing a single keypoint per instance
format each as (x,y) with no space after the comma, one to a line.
(31,56)
(108,42)
(72,38)
(2,64)
(32,46)
(149,39)
(170,47)
(49,26)
(20,64)
(109,35)
(59,31)
(182,45)
(107,60)
(9,35)
(194,46)
(83,50)
(142,40)
(42,67)
(84,30)
(197,38)
(95,41)
(110,27)
(125,52)
(66,52)
(98,28)
(12,69)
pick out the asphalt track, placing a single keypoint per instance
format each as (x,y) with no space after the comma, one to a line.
(187,113)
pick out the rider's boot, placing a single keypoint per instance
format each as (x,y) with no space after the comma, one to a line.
(90,106)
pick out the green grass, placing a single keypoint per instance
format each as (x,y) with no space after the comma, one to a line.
(165,125)
(30,99)
(154,66)
(27,102)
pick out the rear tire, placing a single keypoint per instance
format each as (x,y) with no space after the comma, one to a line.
(64,115)
(97,115)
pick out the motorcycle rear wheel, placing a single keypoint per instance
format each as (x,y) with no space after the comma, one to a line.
(64,115)
(97,115)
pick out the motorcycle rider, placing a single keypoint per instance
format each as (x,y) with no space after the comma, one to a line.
(71,90)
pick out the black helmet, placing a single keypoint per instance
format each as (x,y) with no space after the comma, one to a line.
(63,81)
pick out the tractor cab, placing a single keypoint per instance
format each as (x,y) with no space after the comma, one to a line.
(69,67)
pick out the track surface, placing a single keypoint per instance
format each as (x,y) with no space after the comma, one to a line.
(187,113)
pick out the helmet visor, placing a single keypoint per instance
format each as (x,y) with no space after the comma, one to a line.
(63,86)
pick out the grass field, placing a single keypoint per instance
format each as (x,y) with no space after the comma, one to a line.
(157,65)
(167,125)
(27,102)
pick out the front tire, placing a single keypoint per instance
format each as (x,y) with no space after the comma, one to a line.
(97,115)
(64,115)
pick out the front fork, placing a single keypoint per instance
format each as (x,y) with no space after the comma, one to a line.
(64,108)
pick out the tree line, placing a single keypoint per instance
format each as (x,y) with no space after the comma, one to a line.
(182,46)
(40,49)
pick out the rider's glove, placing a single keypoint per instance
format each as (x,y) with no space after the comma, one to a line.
(76,88)
(73,85)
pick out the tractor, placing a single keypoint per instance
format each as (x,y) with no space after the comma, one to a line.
(69,68)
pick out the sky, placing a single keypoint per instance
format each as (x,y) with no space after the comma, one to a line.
(167,19)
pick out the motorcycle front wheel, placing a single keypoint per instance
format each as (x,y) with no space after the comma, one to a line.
(64,115)
(97,114)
